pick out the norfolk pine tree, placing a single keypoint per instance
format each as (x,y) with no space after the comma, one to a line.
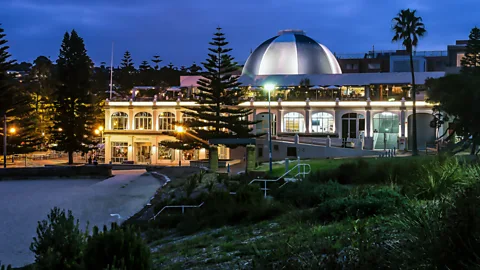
(73,119)
(218,115)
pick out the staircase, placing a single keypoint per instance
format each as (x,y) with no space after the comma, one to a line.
(297,173)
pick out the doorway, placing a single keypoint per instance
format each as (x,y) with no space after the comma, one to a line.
(143,153)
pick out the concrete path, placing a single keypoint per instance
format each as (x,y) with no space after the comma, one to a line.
(24,203)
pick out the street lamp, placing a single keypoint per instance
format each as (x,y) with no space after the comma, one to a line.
(180,129)
(269,88)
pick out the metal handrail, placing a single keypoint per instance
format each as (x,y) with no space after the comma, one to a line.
(177,206)
(301,173)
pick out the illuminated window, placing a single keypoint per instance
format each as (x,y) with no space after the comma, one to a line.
(322,122)
(119,121)
(294,122)
(143,120)
(166,121)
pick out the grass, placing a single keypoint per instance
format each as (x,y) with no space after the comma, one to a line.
(329,164)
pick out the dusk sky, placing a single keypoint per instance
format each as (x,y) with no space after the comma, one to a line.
(179,30)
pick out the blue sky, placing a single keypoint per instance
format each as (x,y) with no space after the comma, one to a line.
(179,30)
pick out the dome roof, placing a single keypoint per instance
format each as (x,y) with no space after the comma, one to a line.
(291,52)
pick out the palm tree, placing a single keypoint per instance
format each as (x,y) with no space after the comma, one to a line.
(408,29)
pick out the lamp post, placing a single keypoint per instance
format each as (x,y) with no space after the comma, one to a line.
(269,88)
(179,129)
(5,140)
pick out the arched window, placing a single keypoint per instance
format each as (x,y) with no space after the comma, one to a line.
(322,122)
(293,122)
(119,121)
(143,120)
(166,121)
(352,125)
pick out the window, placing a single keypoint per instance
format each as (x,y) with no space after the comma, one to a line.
(119,121)
(374,66)
(352,124)
(322,122)
(119,152)
(291,151)
(165,153)
(186,118)
(166,121)
(143,120)
(352,66)
(294,122)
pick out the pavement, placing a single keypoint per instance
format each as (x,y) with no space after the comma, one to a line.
(24,203)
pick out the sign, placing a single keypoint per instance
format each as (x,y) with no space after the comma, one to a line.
(142,139)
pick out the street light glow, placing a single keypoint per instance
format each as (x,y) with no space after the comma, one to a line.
(12,130)
(97,131)
(180,129)
(100,128)
(60,129)
(269,87)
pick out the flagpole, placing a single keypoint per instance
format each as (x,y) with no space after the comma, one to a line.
(111,73)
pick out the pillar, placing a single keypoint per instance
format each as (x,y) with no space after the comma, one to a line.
(213,158)
(108,121)
(131,119)
(368,123)
(402,122)
(108,150)
(130,148)
(338,122)
(251,158)
(308,114)
(155,118)
(279,121)
(251,118)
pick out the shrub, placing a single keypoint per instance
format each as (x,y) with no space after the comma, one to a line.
(307,194)
(117,248)
(3,267)
(59,242)
(360,204)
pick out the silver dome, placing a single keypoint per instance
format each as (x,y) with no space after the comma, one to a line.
(291,52)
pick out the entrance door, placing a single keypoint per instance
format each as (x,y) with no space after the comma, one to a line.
(142,152)
(386,127)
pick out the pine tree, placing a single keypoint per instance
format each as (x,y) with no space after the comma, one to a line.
(127,74)
(156,60)
(194,69)
(471,61)
(217,116)
(145,74)
(74,113)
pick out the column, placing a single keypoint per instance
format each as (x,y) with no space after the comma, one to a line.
(279,121)
(178,115)
(155,118)
(402,122)
(154,152)
(130,148)
(251,157)
(108,115)
(368,123)
(308,114)
(108,149)
(338,122)
(131,119)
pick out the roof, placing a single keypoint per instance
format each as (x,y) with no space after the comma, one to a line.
(328,79)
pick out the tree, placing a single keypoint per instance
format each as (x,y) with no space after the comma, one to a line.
(74,114)
(408,29)
(471,61)
(156,60)
(194,69)
(458,95)
(127,74)
(145,74)
(217,116)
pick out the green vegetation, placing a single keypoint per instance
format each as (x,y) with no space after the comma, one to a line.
(391,213)
(61,244)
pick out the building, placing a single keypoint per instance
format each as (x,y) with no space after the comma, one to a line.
(312,98)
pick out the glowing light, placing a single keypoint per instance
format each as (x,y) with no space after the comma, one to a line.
(60,129)
(269,87)
(12,130)
(97,131)
(179,129)
(100,128)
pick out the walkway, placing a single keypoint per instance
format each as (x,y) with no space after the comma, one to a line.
(26,202)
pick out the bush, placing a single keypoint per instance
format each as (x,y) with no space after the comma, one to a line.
(59,242)
(307,194)
(3,267)
(117,248)
(360,204)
